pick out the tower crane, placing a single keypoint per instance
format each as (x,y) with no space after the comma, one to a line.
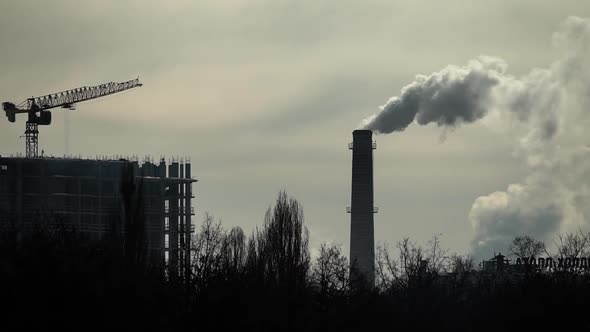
(38,108)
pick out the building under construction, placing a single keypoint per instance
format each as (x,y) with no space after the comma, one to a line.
(93,197)
(116,197)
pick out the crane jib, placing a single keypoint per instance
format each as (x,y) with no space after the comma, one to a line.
(67,98)
(37,107)
(70,97)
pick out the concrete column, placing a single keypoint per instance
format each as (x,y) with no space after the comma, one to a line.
(19,199)
(173,205)
(162,175)
(187,221)
(181,233)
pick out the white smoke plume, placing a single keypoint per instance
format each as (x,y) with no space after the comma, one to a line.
(448,97)
(546,111)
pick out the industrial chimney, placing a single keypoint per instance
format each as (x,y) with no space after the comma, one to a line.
(362,239)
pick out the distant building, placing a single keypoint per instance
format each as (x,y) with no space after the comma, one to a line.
(498,263)
(88,196)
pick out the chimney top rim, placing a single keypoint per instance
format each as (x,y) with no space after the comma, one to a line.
(362,132)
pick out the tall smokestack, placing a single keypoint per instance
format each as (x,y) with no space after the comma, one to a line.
(362,239)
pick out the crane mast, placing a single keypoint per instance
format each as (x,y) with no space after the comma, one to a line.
(37,108)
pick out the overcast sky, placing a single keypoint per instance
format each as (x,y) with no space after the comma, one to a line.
(262,95)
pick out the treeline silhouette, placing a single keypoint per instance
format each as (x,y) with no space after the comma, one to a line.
(269,281)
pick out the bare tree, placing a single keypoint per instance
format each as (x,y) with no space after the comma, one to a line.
(387,273)
(206,249)
(437,256)
(252,254)
(133,217)
(284,243)
(330,272)
(403,272)
(572,252)
(573,245)
(459,264)
(415,264)
(460,268)
(234,252)
(526,247)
